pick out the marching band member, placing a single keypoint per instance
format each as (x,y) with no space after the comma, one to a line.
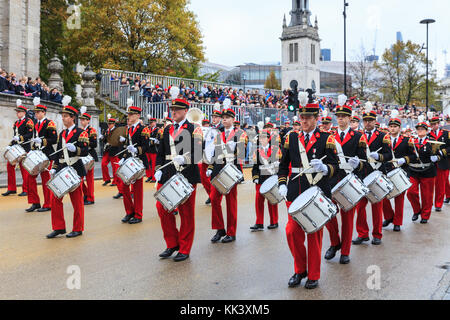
(297,126)
(137,142)
(443,165)
(234,142)
(77,146)
(45,137)
(23,132)
(317,144)
(153,150)
(376,141)
(267,155)
(327,124)
(178,139)
(354,124)
(423,172)
(203,166)
(354,145)
(88,187)
(403,149)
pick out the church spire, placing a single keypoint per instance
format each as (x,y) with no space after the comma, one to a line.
(284,21)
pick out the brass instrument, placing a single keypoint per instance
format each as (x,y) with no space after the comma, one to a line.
(114,138)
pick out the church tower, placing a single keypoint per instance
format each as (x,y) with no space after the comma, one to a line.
(300,44)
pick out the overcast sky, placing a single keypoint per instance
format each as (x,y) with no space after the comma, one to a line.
(241,31)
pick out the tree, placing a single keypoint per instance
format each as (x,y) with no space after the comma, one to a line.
(362,73)
(272,82)
(163,34)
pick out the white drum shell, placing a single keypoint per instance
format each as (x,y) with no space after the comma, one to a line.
(174,192)
(269,189)
(312,210)
(64,182)
(379,186)
(349,191)
(227,178)
(401,182)
(15,154)
(88,162)
(131,170)
(35,162)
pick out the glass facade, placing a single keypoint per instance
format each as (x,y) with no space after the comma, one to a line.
(257,74)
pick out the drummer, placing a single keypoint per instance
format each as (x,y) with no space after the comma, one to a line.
(203,166)
(23,132)
(88,187)
(354,146)
(268,154)
(137,142)
(234,142)
(46,137)
(354,124)
(77,145)
(327,123)
(153,150)
(403,149)
(177,141)
(317,144)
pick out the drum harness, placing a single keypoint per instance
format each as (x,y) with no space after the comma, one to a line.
(306,165)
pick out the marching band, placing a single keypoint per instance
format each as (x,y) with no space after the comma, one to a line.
(318,172)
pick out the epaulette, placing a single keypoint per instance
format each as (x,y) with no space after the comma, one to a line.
(363,141)
(93,133)
(331,142)
(145,132)
(286,141)
(198,133)
(51,124)
(30,124)
(83,137)
(387,139)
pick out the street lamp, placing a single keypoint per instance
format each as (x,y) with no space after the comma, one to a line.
(427,22)
(345,46)
(243,78)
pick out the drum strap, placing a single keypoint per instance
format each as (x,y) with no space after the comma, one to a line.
(66,153)
(267,166)
(173,153)
(374,165)
(305,161)
(342,162)
(228,157)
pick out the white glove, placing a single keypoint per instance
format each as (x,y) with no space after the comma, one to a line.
(354,162)
(101,137)
(283,190)
(8,147)
(132,149)
(318,165)
(121,162)
(375,155)
(122,139)
(16,138)
(256,181)
(232,145)
(208,173)
(401,161)
(434,159)
(179,160)
(37,140)
(158,175)
(52,172)
(71,147)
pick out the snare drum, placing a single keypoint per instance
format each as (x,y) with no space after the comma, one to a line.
(35,162)
(88,163)
(269,189)
(227,178)
(349,191)
(174,192)
(379,186)
(64,182)
(312,210)
(15,154)
(131,170)
(401,182)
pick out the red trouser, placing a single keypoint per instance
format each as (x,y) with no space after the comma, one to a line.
(389,214)
(58,222)
(150,172)
(439,185)
(377,219)
(296,241)
(33,196)
(114,164)
(259,205)
(347,218)
(426,193)
(185,237)
(133,205)
(205,180)
(447,189)
(217,216)
(12,177)
(88,190)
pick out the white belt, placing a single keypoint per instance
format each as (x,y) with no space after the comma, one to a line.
(71,160)
(296,170)
(418,165)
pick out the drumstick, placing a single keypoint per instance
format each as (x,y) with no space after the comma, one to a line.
(25,143)
(167,164)
(362,160)
(301,173)
(134,145)
(61,150)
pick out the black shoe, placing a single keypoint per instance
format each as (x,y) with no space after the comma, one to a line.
(376,241)
(387,223)
(7,193)
(113,185)
(359,240)
(74,234)
(153,181)
(273,226)
(33,207)
(415,217)
(43,209)
(148,180)
(296,279)
(127,218)
(447,200)
(118,196)
(219,234)
(180,257)
(134,221)
(175,213)
(438,209)
(106,183)
(23,194)
(55,233)
(344,260)
(311,284)
(85,198)
(88,203)
(424,221)
(396,228)
(228,239)
(208,201)
(168,252)
(331,252)
(257,227)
